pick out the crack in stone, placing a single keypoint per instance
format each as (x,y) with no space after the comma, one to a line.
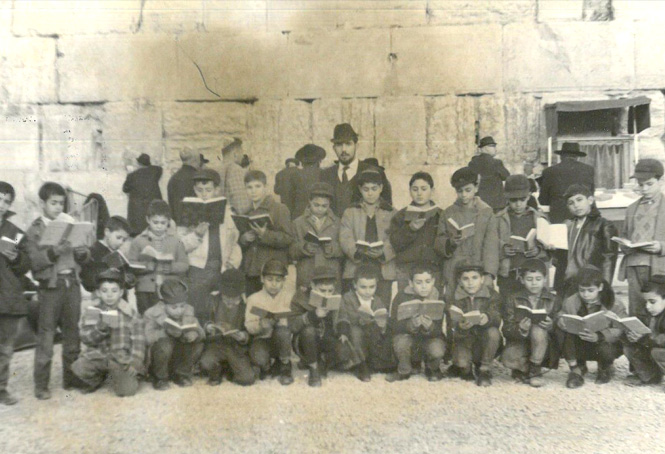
(139,24)
(204,79)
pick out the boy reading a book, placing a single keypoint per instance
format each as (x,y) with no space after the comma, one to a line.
(413,229)
(368,221)
(116,233)
(589,237)
(646,351)
(481,244)
(264,241)
(14,263)
(316,236)
(227,339)
(160,252)
(266,321)
(114,336)
(528,316)
(600,342)
(645,222)
(418,335)
(475,319)
(517,220)
(363,320)
(211,247)
(313,326)
(56,268)
(174,336)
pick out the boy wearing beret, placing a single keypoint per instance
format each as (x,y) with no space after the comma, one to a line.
(174,336)
(114,338)
(227,346)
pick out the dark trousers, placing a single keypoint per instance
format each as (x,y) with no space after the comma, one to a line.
(227,353)
(637,276)
(202,282)
(145,300)
(575,349)
(476,346)
(311,347)
(171,358)
(375,347)
(8,335)
(532,349)
(58,307)
(93,372)
(408,347)
(560,260)
(278,346)
(649,363)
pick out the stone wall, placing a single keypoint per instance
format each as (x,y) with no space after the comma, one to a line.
(85,86)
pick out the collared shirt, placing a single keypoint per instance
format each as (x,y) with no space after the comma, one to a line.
(350,172)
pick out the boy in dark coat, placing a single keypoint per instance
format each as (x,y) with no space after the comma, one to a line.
(492,174)
(14,263)
(142,187)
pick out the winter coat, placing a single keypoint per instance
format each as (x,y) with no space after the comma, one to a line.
(350,314)
(155,317)
(657,261)
(405,326)
(556,180)
(303,315)
(504,229)
(492,175)
(486,301)
(168,244)
(511,321)
(12,301)
(415,246)
(180,186)
(142,187)
(286,188)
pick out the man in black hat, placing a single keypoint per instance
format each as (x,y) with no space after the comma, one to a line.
(492,174)
(142,187)
(342,175)
(558,178)
(180,184)
(310,156)
(233,177)
(284,183)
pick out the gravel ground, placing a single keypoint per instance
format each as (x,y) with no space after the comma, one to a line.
(344,415)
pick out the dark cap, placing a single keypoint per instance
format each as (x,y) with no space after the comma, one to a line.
(143,159)
(485,141)
(374,163)
(571,149)
(232,283)
(233,145)
(344,133)
(207,175)
(274,267)
(323,272)
(646,169)
(463,176)
(173,291)
(311,153)
(535,265)
(577,188)
(111,274)
(517,186)
(468,265)
(321,190)
(370,175)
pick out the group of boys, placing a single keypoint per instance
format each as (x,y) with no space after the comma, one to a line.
(220,300)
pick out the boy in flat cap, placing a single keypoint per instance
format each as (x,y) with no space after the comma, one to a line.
(227,346)
(467,230)
(492,174)
(174,336)
(645,222)
(114,338)
(266,320)
(211,248)
(313,328)
(310,156)
(316,233)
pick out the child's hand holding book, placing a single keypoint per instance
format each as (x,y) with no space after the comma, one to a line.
(417,224)
(588,336)
(267,323)
(310,248)
(62,247)
(321,312)
(172,331)
(201,229)
(465,324)
(248,237)
(632,336)
(525,326)
(547,324)
(190,336)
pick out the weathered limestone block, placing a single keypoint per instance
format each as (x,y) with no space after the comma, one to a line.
(491,119)
(451,130)
(401,128)
(649,51)
(553,10)
(69,17)
(186,119)
(247,66)
(27,73)
(317,14)
(234,15)
(443,60)
(568,55)
(117,68)
(480,11)
(172,16)
(19,138)
(5,17)
(524,115)
(347,63)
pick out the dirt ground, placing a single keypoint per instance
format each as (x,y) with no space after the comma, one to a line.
(344,416)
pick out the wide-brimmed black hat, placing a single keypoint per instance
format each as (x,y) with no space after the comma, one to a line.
(344,133)
(570,149)
(485,141)
(310,153)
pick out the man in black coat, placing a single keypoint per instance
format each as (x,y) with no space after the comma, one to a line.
(557,179)
(142,187)
(180,184)
(310,156)
(284,183)
(492,174)
(342,175)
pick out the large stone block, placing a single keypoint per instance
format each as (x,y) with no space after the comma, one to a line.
(451,130)
(69,17)
(347,63)
(554,10)
(187,119)
(117,68)
(649,51)
(568,55)
(490,114)
(524,117)
(247,66)
(19,138)
(480,11)
(234,15)
(441,60)
(27,70)
(172,16)
(317,14)
(401,128)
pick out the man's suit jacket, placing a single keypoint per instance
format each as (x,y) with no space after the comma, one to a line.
(180,186)
(555,182)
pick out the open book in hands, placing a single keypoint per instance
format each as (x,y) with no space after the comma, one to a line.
(243,222)
(93,315)
(575,324)
(461,232)
(265,313)
(632,324)
(77,233)
(7,245)
(329,303)
(196,210)
(523,244)
(313,238)
(179,329)
(629,244)
(414,212)
(536,315)
(552,235)
(118,260)
(431,308)
(457,315)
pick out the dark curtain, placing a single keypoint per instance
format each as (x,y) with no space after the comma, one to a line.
(612,162)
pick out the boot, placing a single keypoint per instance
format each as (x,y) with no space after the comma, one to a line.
(484,378)
(535,378)
(363,373)
(7,399)
(285,376)
(314,379)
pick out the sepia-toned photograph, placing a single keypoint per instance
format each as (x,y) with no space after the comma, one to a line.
(332,226)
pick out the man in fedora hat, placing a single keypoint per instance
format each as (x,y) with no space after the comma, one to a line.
(492,174)
(180,184)
(342,175)
(142,187)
